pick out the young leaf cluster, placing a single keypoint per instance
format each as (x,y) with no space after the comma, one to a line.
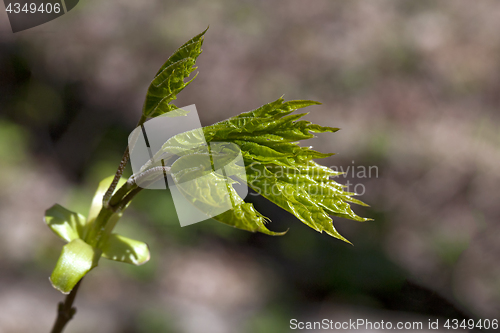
(78,257)
(281,170)
(275,166)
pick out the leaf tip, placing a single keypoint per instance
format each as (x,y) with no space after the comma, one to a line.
(55,286)
(146,259)
(278,233)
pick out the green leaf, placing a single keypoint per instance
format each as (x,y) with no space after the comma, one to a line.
(211,192)
(268,139)
(204,188)
(169,81)
(66,224)
(126,250)
(96,206)
(281,170)
(276,166)
(77,259)
(244,216)
(293,198)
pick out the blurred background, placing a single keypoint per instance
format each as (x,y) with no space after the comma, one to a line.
(414,85)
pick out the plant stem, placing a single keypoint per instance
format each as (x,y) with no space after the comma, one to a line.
(121,167)
(129,198)
(118,174)
(96,233)
(120,194)
(65,311)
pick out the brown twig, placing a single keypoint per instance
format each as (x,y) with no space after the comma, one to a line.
(123,163)
(118,174)
(65,311)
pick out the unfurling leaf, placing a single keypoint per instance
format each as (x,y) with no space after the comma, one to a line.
(244,216)
(282,171)
(169,81)
(66,224)
(77,259)
(126,250)
(276,167)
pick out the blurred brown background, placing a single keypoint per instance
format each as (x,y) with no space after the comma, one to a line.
(414,85)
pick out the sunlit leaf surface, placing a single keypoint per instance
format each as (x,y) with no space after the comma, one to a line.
(77,259)
(126,250)
(276,167)
(66,224)
(169,81)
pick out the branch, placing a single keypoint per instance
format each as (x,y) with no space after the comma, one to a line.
(65,311)
(123,163)
(118,174)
